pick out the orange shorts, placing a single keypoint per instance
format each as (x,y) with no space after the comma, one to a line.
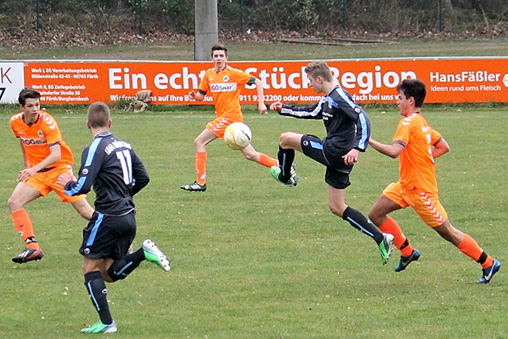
(426,205)
(45,182)
(219,125)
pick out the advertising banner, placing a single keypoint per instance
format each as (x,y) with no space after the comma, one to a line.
(12,80)
(448,80)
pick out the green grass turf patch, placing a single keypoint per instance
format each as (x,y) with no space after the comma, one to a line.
(252,258)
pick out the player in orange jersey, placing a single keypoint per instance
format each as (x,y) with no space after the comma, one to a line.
(224,84)
(416,145)
(45,156)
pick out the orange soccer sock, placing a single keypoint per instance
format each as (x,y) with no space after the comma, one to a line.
(469,247)
(201,167)
(24,228)
(266,161)
(400,241)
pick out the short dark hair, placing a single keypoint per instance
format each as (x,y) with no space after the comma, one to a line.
(28,93)
(219,47)
(319,68)
(98,114)
(413,88)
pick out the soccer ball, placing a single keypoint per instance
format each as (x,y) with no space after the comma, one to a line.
(237,135)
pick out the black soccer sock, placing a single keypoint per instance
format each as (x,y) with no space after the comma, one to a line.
(99,295)
(121,268)
(358,221)
(285,157)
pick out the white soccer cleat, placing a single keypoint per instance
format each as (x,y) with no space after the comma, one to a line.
(155,255)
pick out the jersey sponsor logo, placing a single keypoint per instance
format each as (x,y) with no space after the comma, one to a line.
(327,115)
(33,141)
(221,87)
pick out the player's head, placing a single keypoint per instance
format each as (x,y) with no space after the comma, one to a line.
(28,93)
(319,69)
(413,88)
(219,47)
(98,115)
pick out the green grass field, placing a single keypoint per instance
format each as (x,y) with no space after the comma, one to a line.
(252,258)
(250,50)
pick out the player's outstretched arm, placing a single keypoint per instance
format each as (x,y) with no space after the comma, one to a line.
(198,96)
(276,106)
(392,150)
(261,97)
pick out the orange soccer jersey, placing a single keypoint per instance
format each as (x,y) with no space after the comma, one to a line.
(37,138)
(416,164)
(225,88)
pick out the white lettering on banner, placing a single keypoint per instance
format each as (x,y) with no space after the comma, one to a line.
(117,80)
(465,76)
(368,80)
(184,80)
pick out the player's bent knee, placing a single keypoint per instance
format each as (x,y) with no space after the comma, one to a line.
(375,218)
(14,204)
(336,210)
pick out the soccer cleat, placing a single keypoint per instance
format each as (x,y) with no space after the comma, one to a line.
(99,327)
(488,273)
(29,254)
(385,247)
(404,261)
(293,179)
(293,171)
(155,255)
(194,187)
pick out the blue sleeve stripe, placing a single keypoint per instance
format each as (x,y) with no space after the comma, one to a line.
(95,229)
(345,97)
(91,151)
(363,141)
(77,188)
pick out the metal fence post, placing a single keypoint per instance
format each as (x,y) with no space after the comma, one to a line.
(344,14)
(38,15)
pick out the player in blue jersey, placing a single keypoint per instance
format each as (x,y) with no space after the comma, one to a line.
(348,132)
(116,174)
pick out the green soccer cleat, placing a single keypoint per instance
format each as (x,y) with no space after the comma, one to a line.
(99,327)
(155,255)
(194,187)
(385,247)
(293,179)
